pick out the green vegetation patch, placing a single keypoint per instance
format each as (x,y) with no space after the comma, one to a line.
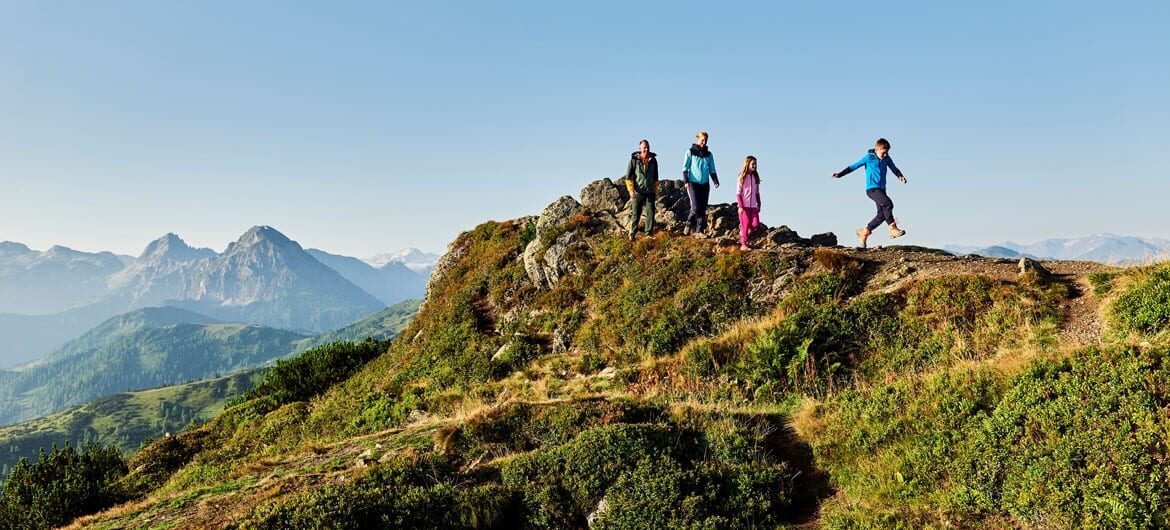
(826,339)
(406,492)
(1072,443)
(1144,307)
(62,484)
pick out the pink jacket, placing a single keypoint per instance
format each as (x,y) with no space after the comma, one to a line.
(748,194)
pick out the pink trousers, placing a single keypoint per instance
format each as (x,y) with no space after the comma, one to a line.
(749,219)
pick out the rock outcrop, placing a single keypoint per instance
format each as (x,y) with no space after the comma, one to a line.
(605,205)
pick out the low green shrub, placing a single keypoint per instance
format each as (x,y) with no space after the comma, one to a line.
(1144,307)
(407,493)
(61,485)
(1072,443)
(311,373)
(1102,282)
(649,476)
(1075,443)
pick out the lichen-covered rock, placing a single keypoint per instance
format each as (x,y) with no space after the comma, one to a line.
(780,236)
(444,265)
(723,220)
(532,267)
(557,214)
(546,266)
(554,264)
(604,196)
(827,239)
(1033,270)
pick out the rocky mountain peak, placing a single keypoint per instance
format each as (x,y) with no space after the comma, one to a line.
(12,248)
(262,236)
(171,247)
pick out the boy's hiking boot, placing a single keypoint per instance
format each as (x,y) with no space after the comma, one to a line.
(862,235)
(631,236)
(687,230)
(896,232)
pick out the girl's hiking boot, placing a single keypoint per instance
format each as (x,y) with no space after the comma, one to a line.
(862,235)
(896,232)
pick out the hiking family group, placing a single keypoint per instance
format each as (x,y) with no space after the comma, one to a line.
(699,175)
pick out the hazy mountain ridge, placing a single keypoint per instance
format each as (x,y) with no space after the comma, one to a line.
(391,283)
(264,278)
(36,283)
(1102,248)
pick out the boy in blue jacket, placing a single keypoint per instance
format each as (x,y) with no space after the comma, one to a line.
(876,161)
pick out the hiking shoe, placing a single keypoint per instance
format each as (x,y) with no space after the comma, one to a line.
(896,232)
(862,235)
(631,236)
(687,230)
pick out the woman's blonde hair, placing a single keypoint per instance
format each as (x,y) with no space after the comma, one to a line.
(747,168)
(701,134)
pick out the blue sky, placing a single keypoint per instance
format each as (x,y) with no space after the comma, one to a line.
(366,127)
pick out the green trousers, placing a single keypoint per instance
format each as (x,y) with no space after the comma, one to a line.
(641,200)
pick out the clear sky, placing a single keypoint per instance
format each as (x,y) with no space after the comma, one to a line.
(363,127)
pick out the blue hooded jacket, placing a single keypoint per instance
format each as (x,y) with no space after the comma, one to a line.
(699,166)
(875,170)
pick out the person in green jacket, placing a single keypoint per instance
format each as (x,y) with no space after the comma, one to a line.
(642,181)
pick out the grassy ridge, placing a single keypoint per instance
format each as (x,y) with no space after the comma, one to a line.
(124,420)
(667,386)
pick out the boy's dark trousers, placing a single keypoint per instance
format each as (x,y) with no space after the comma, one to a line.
(639,200)
(885,208)
(698,194)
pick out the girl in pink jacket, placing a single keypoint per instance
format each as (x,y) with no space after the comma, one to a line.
(748,198)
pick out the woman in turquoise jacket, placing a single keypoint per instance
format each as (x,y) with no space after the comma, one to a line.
(698,174)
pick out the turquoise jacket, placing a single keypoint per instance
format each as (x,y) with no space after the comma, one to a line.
(875,170)
(699,166)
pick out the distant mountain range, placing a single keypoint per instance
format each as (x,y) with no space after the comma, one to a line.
(1102,248)
(265,278)
(413,258)
(37,283)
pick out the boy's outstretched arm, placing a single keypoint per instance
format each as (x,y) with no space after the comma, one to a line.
(850,168)
(898,172)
